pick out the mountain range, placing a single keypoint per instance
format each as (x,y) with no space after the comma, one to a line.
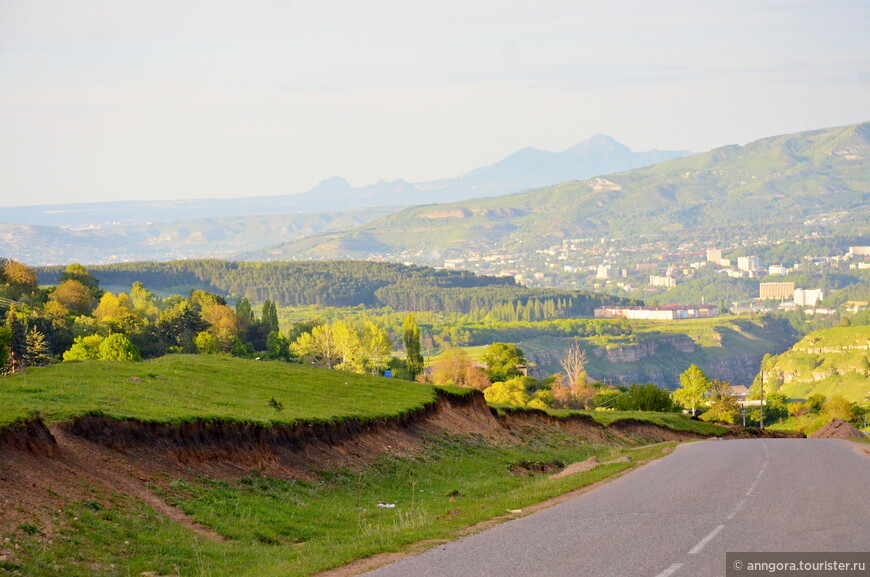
(160,230)
(820,176)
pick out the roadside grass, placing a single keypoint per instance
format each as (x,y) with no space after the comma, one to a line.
(673,421)
(177,388)
(292,528)
(806,424)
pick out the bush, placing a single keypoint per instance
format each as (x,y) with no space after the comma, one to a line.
(644,398)
(118,347)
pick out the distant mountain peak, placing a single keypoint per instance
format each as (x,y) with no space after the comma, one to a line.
(599,143)
(331,186)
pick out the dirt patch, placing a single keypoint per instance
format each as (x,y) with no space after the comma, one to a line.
(530,468)
(575,468)
(837,429)
(647,433)
(532,422)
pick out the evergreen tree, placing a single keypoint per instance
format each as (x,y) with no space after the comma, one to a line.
(36,351)
(4,349)
(17,340)
(244,312)
(411,335)
(270,316)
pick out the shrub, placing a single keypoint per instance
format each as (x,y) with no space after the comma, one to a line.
(118,347)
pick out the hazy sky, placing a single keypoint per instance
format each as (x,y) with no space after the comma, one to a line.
(103,100)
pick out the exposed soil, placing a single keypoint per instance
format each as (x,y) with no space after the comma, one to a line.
(42,469)
(837,429)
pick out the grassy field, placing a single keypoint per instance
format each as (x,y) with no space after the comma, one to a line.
(182,387)
(282,527)
(276,527)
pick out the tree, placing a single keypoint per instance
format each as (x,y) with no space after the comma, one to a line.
(81,275)
(508,392)
(270,316)
(206,343)
(574,362)
(244,312)
(647,397)
(17,340)
(36,351)
(278,347)
(20,278)
(348,348)
(816,402)
(74,295)
(837,407)
(179,325)
(724,407)
(118,347)
(451,367)
(694,386)
(85,348)
(317,347)
(503,361)
(113,308)
(144,301)
(222,323)
(579,393)
(376,346)
(4,350)
(411,338)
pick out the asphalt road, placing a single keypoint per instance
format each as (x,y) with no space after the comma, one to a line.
(678,516)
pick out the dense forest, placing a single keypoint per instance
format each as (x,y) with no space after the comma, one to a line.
(340,284)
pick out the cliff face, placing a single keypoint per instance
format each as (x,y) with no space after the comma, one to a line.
(732,351)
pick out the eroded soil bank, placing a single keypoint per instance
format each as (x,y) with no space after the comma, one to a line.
(44,467)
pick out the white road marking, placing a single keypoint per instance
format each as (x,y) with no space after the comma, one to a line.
(736,509)
(760,472)
(670,570)
(697,548)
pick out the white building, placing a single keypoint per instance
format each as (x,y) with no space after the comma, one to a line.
(714,255)
(662,281)
(604,271)
(748,263)
(776,269)
(807,297)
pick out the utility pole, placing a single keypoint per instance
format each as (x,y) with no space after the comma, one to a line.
(761,408)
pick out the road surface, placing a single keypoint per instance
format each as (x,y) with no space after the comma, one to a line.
(678,516)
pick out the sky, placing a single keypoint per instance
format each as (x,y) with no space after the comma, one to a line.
(112,100)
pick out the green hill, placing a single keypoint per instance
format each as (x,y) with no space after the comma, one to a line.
(834,361)
(222,466)
(177,388)
(818,175)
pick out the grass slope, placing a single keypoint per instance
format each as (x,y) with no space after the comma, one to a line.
(271,526)
(292,528)
(834,361)
(182,388)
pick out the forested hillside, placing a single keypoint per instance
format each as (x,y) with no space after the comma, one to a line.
(336,283)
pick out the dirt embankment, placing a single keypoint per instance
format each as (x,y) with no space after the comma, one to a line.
(44,467)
